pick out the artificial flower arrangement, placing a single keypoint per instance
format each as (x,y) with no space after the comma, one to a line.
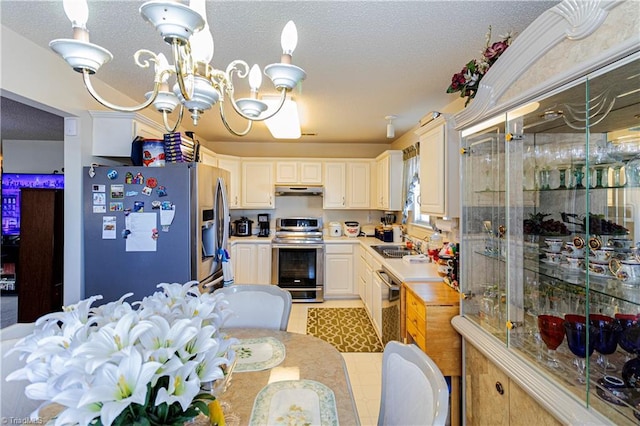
(143,363)
(467,81)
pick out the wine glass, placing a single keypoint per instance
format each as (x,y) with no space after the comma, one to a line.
(630,342)
(576,329)
(608,333)
(626,321)
(552,334)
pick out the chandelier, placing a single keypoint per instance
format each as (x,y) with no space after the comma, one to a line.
(198,86)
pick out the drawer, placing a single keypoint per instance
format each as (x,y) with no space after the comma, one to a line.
(338,248)
(414,330)
(416,306)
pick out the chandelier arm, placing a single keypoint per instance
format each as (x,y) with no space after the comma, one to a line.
(226,124)
(165,119)
(87,83)
(179,64)
(283,97)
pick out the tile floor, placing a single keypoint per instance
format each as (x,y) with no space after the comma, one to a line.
(365,369)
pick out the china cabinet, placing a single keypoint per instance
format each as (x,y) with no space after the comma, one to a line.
(550,272)
(549,231)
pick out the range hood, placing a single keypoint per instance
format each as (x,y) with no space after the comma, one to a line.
(311,190)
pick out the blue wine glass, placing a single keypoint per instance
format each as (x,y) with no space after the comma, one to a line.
(630,342)
(576,330)
(608,333)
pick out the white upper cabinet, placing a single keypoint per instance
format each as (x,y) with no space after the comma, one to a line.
(257,184)
(232,165)
(439,168)
(389,181)
(113,132)
(335,188)
(299,172)
(347,185)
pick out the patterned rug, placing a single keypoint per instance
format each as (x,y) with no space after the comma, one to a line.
(348,329)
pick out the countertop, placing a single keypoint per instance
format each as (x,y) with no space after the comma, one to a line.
(404,271)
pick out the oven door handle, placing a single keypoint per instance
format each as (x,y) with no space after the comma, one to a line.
(297,246)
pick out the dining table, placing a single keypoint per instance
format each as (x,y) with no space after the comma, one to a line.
(278,377)
(298,363)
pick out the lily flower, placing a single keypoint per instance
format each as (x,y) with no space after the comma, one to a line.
(118,386)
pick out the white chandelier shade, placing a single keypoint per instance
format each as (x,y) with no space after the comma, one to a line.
(198,86)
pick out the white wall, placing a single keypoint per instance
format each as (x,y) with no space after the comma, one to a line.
(24,156)
(60,92)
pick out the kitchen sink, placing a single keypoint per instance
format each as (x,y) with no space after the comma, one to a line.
(390,251)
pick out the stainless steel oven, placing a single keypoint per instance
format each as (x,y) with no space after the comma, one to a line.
(298,258)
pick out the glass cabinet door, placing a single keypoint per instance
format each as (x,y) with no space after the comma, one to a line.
(550,246)
(484,225)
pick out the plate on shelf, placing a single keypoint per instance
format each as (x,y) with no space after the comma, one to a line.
(570,270)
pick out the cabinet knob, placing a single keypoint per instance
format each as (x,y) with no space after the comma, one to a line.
(499,388)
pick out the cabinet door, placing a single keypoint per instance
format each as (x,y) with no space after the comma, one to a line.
(432,172)
(286,172)
(335,196)
(232,165)
(257,184)
(382,171)
(338,275)
(310,172)
(245,263)
(359,185)
(485,405)
(263,272)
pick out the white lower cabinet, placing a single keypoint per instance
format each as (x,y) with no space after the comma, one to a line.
(376,297)
(251,263)
(340,270)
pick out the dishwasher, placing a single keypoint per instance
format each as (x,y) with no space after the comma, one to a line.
(390,305)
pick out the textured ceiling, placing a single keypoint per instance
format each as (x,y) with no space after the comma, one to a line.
(364,59)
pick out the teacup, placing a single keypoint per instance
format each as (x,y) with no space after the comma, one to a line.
(574,251)
(554,245)
(620,243)
(603,254)
(625,270)
(574,262)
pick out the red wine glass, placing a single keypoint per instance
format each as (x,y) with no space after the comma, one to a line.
(552,334)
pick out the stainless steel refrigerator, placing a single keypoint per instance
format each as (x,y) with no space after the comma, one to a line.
(149,225)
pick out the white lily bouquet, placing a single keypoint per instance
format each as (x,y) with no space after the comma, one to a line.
(144,363)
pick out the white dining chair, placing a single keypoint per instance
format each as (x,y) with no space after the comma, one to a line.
(414,391)
(15,404)
(257,306)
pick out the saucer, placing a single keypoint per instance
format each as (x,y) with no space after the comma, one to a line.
(573,256)
(599,262)
(614,390)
